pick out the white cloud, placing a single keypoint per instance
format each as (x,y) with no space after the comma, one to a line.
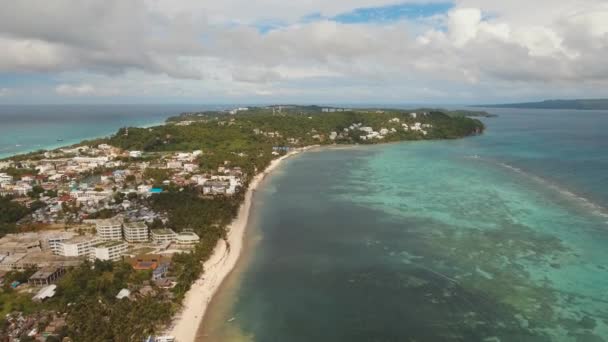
(75,90)
(212,49)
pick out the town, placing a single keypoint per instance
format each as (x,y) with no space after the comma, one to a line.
(155,200)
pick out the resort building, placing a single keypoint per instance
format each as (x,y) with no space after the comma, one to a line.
(187,238)
(54,242)
(110,229)
(136,232)
(163,235)
(78,246)
(110,250)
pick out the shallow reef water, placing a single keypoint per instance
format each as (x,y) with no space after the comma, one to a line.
(500,237)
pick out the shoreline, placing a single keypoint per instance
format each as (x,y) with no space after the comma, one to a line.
(222,262)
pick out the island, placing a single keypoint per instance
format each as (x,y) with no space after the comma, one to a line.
(126,237)
(580,104)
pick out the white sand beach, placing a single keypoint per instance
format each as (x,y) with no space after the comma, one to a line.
(219,266)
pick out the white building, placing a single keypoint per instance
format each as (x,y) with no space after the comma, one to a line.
(5,179)
(163,235)
(187,238)
(110,250)
(91,195)
(53,242)
(136,232)
(174,164)
(91,160)
(78,246)
(135,154)
(110,229)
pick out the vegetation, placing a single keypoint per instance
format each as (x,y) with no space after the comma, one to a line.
(10,214)
(88,294)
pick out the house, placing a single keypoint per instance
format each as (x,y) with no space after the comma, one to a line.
(135,154)
(5,179)
(164,283)
(160,271)
(124,293)
(174,164)
(215,187)
(46,276)
(45,292)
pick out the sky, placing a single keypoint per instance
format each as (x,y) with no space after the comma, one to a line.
(302,51)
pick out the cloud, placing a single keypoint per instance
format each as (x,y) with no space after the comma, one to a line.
(228,49)
(75,90)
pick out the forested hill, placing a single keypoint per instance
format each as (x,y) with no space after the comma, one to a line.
(583,104)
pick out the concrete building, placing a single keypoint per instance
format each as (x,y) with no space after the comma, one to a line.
(135,154)
(163,235)
(20,243)
(53,242)
(109,229)
(46,276)
(110,250)
(79,246)
(136,232)
(187,238)
(36,259)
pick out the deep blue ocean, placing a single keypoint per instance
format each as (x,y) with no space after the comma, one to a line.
(26,128)
(499,237)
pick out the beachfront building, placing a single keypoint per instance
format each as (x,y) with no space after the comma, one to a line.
(78,246)
(109,229)
(187,238)
(163,235)
(109,250)
(136,232)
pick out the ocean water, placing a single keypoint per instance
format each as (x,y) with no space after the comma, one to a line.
(26,128)
(500,237)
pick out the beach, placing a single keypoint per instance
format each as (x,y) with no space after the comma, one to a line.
(218,267)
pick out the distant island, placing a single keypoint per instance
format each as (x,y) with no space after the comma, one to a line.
(581,104)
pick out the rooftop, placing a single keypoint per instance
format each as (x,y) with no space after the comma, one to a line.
(135,225)
(44,273)
(109,244)
(114,221)
(163,231)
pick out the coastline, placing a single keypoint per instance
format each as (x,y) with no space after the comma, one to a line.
(186,323)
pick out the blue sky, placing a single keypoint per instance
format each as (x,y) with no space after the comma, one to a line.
(393,13)
(411,51)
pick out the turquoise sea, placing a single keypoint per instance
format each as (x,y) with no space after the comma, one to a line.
(500,237)
(26,128)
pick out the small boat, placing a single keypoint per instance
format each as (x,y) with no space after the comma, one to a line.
(231,320)
(59,139)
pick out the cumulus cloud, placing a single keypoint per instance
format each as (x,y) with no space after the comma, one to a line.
(217,47)
(75,90)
